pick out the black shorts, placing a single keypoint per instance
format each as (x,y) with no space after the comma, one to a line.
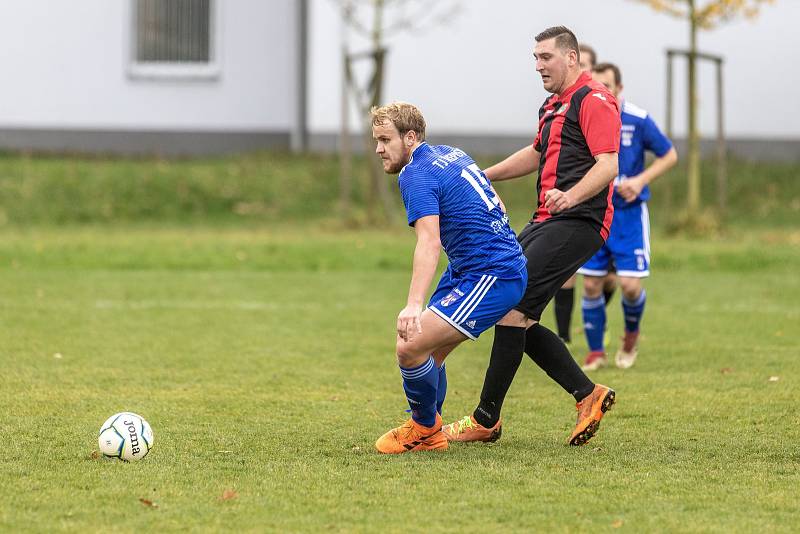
(555,249)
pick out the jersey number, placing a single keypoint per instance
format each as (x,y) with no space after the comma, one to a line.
(473,175)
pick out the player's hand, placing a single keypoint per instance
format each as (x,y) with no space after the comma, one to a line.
(557,201)
(409,322)
(630,188)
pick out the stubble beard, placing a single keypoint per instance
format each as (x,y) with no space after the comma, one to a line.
(395,168)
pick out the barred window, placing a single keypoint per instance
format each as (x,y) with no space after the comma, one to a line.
(173,38)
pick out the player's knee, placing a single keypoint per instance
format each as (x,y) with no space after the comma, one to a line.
(515,318)
(406,355)
(631,288)
(592,286)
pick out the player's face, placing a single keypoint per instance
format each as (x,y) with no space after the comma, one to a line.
(586,61)
(393,150)
(552,64)
(607,78)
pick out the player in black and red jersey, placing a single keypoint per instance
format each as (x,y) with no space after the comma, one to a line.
(575,152)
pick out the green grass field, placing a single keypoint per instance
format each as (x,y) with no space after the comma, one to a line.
(263,358)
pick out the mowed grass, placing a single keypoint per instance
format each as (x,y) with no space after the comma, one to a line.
(263,359)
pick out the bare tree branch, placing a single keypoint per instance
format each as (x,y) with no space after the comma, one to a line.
(368,17)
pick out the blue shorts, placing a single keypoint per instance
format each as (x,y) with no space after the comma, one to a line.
(628,244)
(473,302)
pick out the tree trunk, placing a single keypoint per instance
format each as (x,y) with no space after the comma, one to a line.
(667,185)
(722,163)
(379,183)
(345,150)
(693,199)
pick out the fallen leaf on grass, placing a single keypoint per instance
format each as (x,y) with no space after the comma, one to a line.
(148,502)
(774,378)
(95,455)
(228,494)
(617,523)
(726,370)
(58,355)
(224,452)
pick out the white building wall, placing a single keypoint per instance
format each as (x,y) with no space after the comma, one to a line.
(65,66)
(65,69)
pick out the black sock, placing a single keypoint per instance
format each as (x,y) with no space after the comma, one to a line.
(564,301)
(608,293)
(550,353)
(509,343)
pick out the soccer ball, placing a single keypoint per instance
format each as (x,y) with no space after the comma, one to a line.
(126,436)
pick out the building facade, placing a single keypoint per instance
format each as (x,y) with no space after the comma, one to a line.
(152,76)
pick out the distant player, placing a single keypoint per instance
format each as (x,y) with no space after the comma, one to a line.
(628,244)
(588,57)
(450,204)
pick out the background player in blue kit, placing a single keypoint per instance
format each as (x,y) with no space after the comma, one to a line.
(628,244)
(451,205)
(564,299)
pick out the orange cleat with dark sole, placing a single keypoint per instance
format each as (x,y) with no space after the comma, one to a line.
(412,436)
(590,410)
(468,429)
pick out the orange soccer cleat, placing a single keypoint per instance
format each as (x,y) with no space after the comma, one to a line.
(590,410)
(412,436)
(468,429)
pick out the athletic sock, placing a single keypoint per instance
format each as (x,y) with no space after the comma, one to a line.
(509,343)
(608,294)
(441,391)
(550,353)
(564,302)
(594,322)
(633,310)
(420,384)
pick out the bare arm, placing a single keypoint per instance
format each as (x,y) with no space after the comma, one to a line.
(629,189)
(426,259)
(520,163)
(599,176)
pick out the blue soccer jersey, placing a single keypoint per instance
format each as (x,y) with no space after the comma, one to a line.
(475,234)
(639,134)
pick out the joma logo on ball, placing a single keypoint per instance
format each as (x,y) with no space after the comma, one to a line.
(134,437)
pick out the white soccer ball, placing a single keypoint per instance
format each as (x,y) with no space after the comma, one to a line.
(126,436)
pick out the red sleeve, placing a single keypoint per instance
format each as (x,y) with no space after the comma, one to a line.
(600,122)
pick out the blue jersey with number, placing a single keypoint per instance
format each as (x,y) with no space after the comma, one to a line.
(445,181)
(639,134)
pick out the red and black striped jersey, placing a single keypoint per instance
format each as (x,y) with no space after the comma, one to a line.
(574,127)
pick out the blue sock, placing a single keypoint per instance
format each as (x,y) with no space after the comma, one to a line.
(441,391)
(633,311)
(420,384)
(594,321)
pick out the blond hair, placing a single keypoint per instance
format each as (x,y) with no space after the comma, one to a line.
(405,117)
